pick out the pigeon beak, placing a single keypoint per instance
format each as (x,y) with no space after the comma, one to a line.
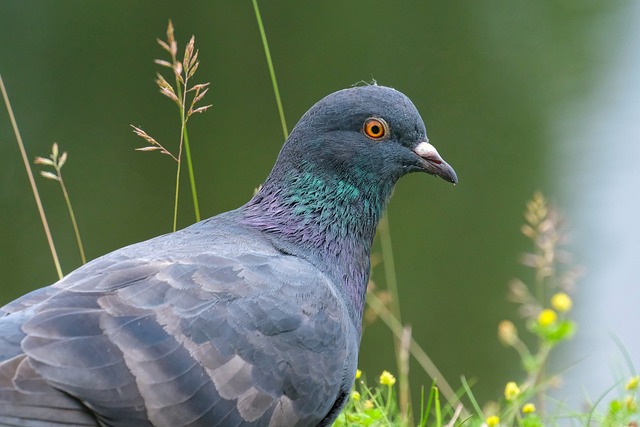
(433,163)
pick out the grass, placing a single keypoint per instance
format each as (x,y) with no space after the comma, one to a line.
(272,72)
(187,97)
(544,301)
(32,182)
(56,161)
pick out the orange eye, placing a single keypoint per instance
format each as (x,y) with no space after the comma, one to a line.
(376,128)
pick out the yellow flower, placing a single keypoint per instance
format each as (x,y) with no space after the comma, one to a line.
(355,395)
(511,391)
(493,421)
(358,374)
(547,317)
(368,404)
(507,333)
(387,379)
(529,408)
(632,384)
(561,302)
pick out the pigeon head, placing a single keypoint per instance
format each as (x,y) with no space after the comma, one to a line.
(334,176)
(338,167)
(364,135)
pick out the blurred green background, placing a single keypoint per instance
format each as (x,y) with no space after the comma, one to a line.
(510,92)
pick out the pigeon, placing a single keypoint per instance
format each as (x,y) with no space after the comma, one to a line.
(252,317)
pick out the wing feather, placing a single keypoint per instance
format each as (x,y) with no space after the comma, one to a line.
(256,339)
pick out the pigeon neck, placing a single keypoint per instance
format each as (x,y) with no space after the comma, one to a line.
(329,220)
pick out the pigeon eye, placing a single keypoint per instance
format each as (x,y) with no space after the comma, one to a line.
(375,128)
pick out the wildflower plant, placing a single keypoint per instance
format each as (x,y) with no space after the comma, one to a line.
(370,406)
(545,304)
(623,410)
(545,309)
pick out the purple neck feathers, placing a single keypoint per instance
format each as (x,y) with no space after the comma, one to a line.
(329,222)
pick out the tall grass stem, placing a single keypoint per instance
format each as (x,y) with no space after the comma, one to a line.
(183,129)
(404,394)
(32,181)
(177,198)
(184,138)
(73,218)
(272,72)
(391,281)
(192,179)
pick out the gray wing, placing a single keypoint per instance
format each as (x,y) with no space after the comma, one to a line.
(210,340)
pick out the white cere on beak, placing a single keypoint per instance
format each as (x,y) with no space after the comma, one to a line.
(427,151)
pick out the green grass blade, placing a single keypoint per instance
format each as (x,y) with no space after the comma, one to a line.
(391,281)
(272,72)
(187,150)
(76,231)
(437,407)
(192,179)
(472,398)
(176,199)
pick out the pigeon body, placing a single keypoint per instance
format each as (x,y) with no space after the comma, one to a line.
(249,318)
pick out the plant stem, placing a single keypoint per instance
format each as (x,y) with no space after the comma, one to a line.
(34,189)
(543,273)
(73,217)
(192,179)
(438,409)
(389,266)
(404,393)
(184,143)
(183,129)
(272,72)
(185,137)
(392,286)
(175,204)
(387,406)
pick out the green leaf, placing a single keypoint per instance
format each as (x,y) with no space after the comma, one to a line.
(556,332)
(532,420)
(563,330)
